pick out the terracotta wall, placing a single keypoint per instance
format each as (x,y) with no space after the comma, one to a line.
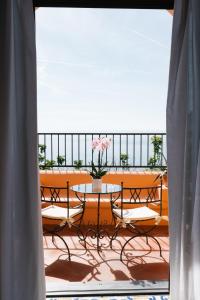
(139,179)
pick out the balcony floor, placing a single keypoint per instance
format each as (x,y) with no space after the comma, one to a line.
(105,266)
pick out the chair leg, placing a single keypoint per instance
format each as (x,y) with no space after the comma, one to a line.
(114,236)
(131,238)
(54,233)
(157,242)
(80,234)
(62,239)
(147,237)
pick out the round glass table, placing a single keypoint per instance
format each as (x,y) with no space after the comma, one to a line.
(88,188)
(83,190)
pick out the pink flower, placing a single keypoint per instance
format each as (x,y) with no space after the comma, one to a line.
(106,142)
(95,143)
(100,144)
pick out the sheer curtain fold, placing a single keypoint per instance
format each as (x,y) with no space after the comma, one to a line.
(21,253)
(183,146)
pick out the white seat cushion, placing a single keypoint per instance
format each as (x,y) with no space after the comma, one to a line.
(60,213)
(136,214)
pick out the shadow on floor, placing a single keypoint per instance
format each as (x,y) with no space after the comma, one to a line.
(150,271)
(141,261)
(69,270)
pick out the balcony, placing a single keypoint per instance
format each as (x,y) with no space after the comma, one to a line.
(88,268)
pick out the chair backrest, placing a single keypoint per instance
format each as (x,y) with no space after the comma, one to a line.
(141,196)
(59,196)
(54,195)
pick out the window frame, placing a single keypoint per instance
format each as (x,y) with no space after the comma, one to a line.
(126,4)
(141,287)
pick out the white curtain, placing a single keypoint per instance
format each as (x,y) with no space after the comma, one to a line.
(183,134)
(21,254)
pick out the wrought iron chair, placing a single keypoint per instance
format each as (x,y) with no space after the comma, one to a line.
(56,205)
(137,205)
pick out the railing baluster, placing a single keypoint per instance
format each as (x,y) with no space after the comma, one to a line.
(147,149)
(72,150)
(58,148)
(134,150)
(78,147)
(127,152)
(120,148)
(51,148)
(91,148)
(45,144)
(162,150)
(65,149)
(113,150)
(106,153)
(85,150)
(140,149)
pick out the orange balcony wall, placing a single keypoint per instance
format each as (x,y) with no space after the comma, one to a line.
(129,179)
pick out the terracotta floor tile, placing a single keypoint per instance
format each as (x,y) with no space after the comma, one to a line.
(140,262)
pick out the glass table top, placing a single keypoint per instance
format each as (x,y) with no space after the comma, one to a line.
(89,189)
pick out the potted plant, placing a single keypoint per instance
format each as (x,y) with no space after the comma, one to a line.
(155,162)
(163,174)
(78,164)
(60,160)
(44,164)
(97,172)
(124,159)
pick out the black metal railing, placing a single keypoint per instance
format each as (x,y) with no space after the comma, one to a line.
(73,150)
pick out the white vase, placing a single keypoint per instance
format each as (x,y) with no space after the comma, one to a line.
(96,185)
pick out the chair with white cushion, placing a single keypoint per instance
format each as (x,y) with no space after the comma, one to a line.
(137,205)
(57,206)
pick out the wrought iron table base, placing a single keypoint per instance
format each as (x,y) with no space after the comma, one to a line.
(98,232)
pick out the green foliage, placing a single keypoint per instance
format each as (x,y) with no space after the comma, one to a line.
(155,160)
(42,148)
(152,162)
(41,151)
(157,143)
(44,165)
(49,164)
(60,160)
(40,158)
(78,164)
(98,172)
(124,159)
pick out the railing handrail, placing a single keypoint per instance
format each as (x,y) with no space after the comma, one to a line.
(102,133)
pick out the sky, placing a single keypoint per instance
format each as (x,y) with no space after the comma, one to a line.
(102,70)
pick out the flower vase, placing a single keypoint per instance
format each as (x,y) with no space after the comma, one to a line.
(96,185)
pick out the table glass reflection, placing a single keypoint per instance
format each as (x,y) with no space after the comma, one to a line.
(89,189)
